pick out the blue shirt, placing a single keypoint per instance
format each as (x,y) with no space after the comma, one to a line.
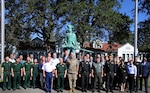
(132,70)
(22,62)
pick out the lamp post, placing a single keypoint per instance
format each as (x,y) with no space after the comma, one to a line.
(2,30)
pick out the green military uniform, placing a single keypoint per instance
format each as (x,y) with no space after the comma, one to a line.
(35,74)
(27,66)
(60,72)
(17,75)
(6,75)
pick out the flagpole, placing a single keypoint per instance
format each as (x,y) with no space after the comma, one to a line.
(2,29)
(136,28)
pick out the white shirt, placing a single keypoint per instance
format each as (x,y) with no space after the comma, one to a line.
(144,63)
(55,61)
(48,67)
(65,58)
(12,60)
(31,59)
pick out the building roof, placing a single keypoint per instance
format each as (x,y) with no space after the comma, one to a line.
(86,44)
(110,47)
(105,46)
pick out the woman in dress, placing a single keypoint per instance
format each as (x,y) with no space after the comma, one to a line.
(123,74)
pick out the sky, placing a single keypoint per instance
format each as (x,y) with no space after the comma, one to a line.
(127,8)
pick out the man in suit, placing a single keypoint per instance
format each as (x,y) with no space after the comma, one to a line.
(145,73)
(65,56)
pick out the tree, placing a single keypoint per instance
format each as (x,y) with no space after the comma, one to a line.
(95,18)
(144,6)
(47,17)
(15,22)
(14,25)
(144,35)
(122,33)
(144,27)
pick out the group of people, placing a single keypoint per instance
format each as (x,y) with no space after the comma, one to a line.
(84,72)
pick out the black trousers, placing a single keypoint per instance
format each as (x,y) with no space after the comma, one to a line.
(141,80)
(131,82)
(84,78)
(109,81)
(138,83)
(92,82)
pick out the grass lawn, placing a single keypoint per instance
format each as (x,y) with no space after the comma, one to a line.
(1,81)
(148,82)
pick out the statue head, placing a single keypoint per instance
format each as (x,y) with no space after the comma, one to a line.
(70,28)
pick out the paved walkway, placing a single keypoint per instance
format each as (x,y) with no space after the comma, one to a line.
(37,90)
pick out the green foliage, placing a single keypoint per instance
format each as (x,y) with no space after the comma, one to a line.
(144,35)
(122,33)
(144,6)
(144,27)
(47,19)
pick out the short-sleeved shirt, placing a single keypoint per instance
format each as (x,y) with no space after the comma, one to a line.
(72,65)
(12,60)
(48,67)
(61,68)
(54,61)
(22,61)
(98,67)
(35,68)
(7,66)
(84,67)
(27,66)
(16,67)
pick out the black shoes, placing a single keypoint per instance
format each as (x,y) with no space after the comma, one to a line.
(84,90)
(59,91)
(99,91)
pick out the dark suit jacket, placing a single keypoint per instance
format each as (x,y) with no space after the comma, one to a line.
(145,69)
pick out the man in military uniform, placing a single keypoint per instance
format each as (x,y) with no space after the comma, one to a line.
(48,70)
(6,71)
(16,73)
(34,72)
(109,72)
(27,69)
(97,74)
(73,66)
(61,71)
(84,73)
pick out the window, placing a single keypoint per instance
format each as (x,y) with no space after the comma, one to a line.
(123,56)
(128,56)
